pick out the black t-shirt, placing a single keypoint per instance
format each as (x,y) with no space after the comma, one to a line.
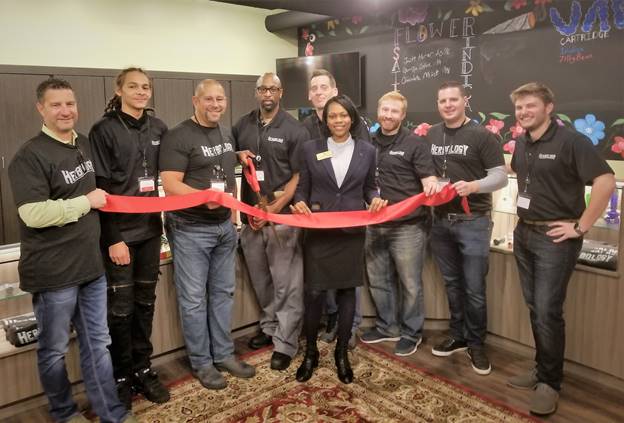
(202,154)
(278,145)
(57,256)
(403,160)
(469,151)
(559,165)
(313,125)
(121,145)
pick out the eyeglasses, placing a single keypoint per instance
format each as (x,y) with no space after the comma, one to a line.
(264,90)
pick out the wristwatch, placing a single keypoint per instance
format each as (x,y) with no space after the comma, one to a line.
(578,230)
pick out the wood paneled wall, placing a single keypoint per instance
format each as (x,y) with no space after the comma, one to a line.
(19,120)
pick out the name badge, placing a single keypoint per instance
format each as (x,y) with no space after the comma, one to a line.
(324,155)
(524,200)
(146,184)
(217,185)
(442,182)
(260,175)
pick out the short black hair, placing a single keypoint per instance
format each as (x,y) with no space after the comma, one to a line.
(454,84)
(348,105)
(52,84)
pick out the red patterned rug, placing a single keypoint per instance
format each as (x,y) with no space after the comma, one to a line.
(385,390)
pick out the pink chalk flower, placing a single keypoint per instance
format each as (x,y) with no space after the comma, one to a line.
(413,14)
(618,146)
(422,129)
(516,130)
(510,146)
(518,4)
(495,126)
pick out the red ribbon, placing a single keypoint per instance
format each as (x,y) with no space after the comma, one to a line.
(345,219)
(250,174)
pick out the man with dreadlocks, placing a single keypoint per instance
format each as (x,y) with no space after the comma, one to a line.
(125,144)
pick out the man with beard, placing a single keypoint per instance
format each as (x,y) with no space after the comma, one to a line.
(272,138)
(553,164)
(196,155)
(471,158)
(395,250)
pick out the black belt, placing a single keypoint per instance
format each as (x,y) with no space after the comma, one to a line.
(453,217)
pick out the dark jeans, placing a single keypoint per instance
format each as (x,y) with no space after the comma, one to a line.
(394,262)
(131,299)
(544,268)
(462,248)
(84,307)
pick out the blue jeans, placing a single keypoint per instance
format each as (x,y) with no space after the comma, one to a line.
(462,248)
(204,275)
(544,269)
(394,262)
(83,306)
(332,307)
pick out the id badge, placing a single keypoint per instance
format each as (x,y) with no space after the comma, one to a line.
(524,200)
(217,185)
(442,182)
(146,184)
(260,175)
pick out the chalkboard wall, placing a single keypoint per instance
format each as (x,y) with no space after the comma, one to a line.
(575,47)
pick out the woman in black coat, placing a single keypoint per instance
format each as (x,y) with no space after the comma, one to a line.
(337,174)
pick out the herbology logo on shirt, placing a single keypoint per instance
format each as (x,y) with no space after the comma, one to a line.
(73,176)
(217,150)
(455,149)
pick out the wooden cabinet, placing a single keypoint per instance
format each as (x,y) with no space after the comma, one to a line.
(19,119)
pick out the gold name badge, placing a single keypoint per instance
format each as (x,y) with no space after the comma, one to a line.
(324,155)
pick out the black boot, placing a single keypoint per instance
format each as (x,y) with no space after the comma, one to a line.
(310,362)
(343,368)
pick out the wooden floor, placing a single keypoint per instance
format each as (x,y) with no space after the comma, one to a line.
(581,401)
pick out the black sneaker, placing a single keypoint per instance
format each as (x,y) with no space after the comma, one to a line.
(480,362)
(448,347)
(147,383)
(124,392)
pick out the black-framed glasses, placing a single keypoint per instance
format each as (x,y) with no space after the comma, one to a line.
(264,90)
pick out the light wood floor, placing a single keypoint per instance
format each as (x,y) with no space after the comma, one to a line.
(581,400)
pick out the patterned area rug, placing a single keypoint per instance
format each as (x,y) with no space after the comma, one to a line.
(385,390)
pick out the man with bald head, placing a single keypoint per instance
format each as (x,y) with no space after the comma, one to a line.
(272,137)
(196,155)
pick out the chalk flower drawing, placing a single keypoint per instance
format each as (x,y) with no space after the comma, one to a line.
(518,4)
(510,146)
(516,130)
(422,129)
(590,127)
(475,8)
(618,146)
(495,126)
(413,14)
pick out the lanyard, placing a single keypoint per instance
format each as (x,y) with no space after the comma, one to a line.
(217,170)
(444,128)
(142,145)
(261,133)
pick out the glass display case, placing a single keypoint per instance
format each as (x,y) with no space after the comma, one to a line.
(600,245)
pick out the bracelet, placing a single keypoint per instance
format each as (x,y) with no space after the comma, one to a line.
(578,230)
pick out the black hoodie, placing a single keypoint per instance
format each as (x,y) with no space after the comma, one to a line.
(121,145)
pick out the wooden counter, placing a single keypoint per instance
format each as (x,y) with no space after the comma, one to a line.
(594,313)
